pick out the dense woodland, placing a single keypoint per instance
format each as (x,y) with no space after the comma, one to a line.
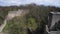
(32,23)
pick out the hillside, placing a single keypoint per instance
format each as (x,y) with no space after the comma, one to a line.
(34,22)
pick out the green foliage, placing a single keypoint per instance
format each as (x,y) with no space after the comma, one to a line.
(14,26)
(32,23)
(35,18)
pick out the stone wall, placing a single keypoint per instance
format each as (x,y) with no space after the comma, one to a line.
(55,19)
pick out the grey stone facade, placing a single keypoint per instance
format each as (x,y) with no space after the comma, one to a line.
(53,19)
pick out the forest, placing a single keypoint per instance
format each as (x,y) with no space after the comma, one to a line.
(32,23)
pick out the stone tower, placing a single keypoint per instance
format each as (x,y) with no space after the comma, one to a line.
(53,18)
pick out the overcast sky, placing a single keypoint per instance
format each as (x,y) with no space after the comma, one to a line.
(39,2)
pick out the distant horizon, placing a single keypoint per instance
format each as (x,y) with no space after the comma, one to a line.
(23,2)
(28,4)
